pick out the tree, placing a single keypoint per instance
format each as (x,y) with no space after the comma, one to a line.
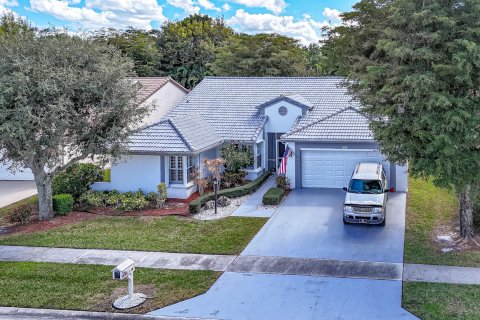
(188,46)
(62,97)
(139,45)
(260,55)
(415,67)
(11,24)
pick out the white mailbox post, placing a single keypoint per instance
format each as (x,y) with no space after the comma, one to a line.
(120,272)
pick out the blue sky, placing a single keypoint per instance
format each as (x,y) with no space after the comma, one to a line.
(302,19)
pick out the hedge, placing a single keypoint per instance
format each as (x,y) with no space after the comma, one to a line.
(196,205)
(62,204)
(273,196)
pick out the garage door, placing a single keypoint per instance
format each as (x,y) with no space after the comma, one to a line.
(322,168)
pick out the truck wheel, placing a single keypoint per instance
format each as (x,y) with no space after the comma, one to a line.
(345,221)
(384,220)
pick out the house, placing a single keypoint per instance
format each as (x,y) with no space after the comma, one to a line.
(315,117)
(160,92)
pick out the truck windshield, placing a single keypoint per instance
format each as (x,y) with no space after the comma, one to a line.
(365,186)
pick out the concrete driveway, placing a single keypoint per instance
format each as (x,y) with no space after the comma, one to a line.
(308,226)
(13,191)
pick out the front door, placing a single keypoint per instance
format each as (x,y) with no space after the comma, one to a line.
(275,150)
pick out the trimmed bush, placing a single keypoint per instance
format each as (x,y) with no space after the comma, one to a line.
(196,205)
(21,214)
(77,179)
(128,201)
(273,196)
(62,204)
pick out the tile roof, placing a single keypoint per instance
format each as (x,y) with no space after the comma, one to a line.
(150,85)
(229,104)
(186,134)
(345,125)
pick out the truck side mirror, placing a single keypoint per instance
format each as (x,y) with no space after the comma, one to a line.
(345,189)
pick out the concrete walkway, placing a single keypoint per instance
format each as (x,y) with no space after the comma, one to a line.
(49,314)
(441,274)
(145,259)
(252,207)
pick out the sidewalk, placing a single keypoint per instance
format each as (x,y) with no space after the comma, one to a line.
(252,207)
(145,259)
(441,274)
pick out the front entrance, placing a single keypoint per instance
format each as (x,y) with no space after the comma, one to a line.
(275,150)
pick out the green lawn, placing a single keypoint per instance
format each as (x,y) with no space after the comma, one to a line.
(90,287)
(169,234)
(427,207)
(5,210)
(438,301)
(106,175)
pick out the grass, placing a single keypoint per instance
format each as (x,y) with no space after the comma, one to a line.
(106,175)
(90,287)
(438,301)
(169,234)
(429,206)
(6,210)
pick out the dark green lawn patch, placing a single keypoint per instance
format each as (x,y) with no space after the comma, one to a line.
(196,205)
(429,206)
(169,234)
(106,175)
(273,196)
(438,301)
(90,287)
(6,210)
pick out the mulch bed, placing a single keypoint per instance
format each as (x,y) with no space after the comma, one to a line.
(177,207)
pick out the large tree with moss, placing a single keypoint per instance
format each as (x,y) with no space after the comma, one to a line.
(61,97)
(415,66)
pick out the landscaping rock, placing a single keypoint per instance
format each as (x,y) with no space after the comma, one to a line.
(224,201)
(209,205)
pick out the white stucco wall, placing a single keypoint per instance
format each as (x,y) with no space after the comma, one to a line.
(163,100)
(401,178)
(279,123)
(133,173)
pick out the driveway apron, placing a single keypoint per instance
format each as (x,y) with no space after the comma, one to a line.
(309,226)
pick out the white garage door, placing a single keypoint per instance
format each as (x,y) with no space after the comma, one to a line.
(326,168)
(5,174)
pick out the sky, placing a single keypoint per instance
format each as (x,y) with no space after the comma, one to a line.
(301,19)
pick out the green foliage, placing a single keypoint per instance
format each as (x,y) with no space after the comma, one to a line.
(188,46)
(129,201)
(196,205)
(21,214)
(273,196)
(62,204)
(11,24)
(260,55)
(283,182)
(236,158)
(92,199)
(157,199)
(107,175)
(77,179)
(416,63)
(234,179)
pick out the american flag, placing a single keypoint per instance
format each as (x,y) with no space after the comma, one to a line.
(283,164)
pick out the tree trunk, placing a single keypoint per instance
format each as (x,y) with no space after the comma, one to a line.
(467,229)
(44,188)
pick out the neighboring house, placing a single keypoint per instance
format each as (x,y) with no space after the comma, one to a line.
(315,117)
(162,93)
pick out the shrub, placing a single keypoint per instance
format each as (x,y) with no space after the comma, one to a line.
(106,175)
(234,179)
(62,204)
(283,183)
(77,179)
(132,201)
(196,205)
(273,196)
(235,158)
(157,199)
(21,214)
(91,199)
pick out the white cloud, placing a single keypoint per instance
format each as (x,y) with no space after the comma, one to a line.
(103,13)
(332,14)
(207,4)
(276,6)
(226,7)
(186,5)
(306,30)
(7,3)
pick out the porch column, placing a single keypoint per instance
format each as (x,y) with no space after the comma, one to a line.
(184,169)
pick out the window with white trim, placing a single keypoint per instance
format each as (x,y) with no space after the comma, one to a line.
(176,169)
(258,157)
(190,168)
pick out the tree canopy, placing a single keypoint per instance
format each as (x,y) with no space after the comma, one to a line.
(62,97)
(415,66)
(260,55)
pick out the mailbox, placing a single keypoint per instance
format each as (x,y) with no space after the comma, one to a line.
(123,270)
